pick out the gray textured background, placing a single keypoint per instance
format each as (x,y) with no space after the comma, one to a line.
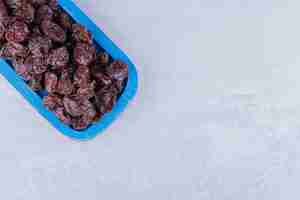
(217,115)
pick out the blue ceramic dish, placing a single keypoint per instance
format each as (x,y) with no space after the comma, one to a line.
(100,39)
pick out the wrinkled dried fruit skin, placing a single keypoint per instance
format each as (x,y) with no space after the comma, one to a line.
(12,50)
(53,31)
(84,54)
(39,65)
(52,101)
(80,123)
(102,79)
(89,110)
(25,12)
(62,116)
(37,3)
(106,99)
(117,70)
(82,76)
(80,34)
(3,10)
(72,107)
(65,85)
(44,12)
(39,46)
(17,32)
(50,82)
(58,57)
(13,4)
(87,91)
(23,69)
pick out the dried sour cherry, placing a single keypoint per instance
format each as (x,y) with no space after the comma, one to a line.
(84,54)
(53,31)
(52,53)
(17,32)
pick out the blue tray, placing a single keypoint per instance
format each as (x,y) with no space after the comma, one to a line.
(102,40)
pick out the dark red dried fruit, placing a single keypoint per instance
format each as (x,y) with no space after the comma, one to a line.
(50,82)
(102,79)
(87,91)
(62,116)
(89,110)
(82,76)
(72,107)
(106,99)
(39,46)
(25,12)
(38,2)
(61,60)
(80,123)
(53,31)
(117,70)
(44,12)
(3,10)
(23,69)
(84,54)
(17,32)
(80,34)
(39,65)
(52,101)
(12,50)
(58,57)
(65,85)
(13,4)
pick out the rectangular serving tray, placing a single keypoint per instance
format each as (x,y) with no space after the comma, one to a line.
(101,40)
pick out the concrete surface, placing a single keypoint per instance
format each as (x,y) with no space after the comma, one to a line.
(217,116)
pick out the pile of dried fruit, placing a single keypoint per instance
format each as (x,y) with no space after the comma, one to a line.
(53,53)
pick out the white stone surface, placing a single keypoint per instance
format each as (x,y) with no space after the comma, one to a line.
(217,115)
